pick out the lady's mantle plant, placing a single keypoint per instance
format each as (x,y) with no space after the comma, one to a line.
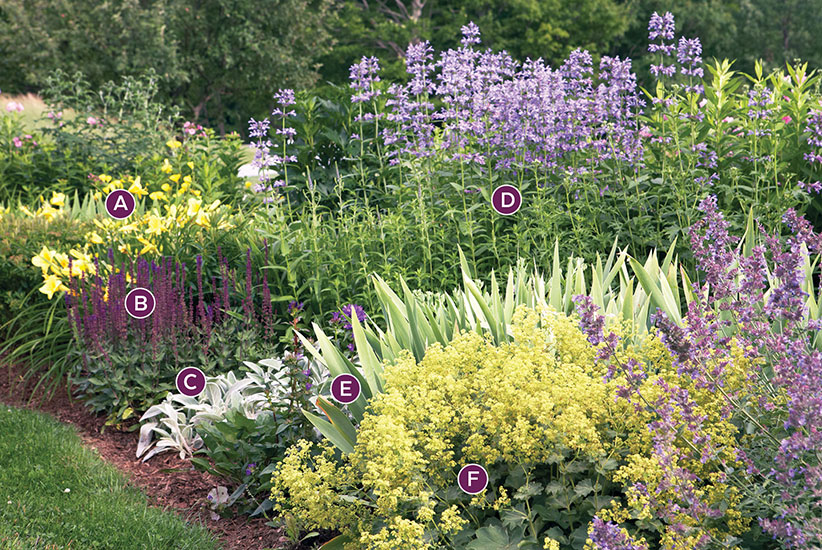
(538,415)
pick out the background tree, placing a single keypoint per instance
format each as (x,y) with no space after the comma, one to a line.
(103,39)
(237,53)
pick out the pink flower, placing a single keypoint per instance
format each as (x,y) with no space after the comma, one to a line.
(28,136)
(645,132)
(91,121)
(786,119)
(17,142)
(12,106)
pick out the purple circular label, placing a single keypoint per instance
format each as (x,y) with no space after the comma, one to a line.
(140,303)
(506,199)
(120,204)
(472,479)
(345,388)
(190,381)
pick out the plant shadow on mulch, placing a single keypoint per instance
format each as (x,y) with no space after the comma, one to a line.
(169,482)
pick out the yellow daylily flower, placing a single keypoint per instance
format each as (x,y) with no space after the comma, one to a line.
(58,199)
(248,185)
(202,220)
(173,144)
(195,192)
(26,211)
(214,205)
(174,177)
(97,195)
(157,196)
(166,187)
(48,212)
(61,259)
(166,168)
(187,179)
(78,267)
(155,225)
(44,259)
(190,165)
(51,285)
(193,206)
(148,246)
(105,178)
(137,188)
(125,249)
(94,238)
(128,228)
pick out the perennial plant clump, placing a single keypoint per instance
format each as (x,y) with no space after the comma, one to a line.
(538,414)
(774,403)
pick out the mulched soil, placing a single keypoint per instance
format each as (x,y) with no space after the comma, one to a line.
(169,482)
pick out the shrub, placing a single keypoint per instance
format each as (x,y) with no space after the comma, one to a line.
(537,414)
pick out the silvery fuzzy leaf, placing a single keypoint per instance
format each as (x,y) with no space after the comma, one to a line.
(146,434)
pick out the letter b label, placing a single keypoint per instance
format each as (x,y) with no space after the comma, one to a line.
(140,303)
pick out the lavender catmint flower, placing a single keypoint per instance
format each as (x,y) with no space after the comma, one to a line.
(470,34)
(662,28)
(363,76)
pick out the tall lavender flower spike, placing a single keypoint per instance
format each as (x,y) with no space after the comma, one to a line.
(497,112)
(689,56)
(662,28)
(470,34)
(794,368)
(363,76)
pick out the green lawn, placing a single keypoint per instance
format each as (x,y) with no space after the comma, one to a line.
(39,460)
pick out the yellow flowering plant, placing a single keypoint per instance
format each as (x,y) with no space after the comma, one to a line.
(211,162)
(172,218)
(535,411)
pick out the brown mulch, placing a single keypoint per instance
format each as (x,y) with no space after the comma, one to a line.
(169,482)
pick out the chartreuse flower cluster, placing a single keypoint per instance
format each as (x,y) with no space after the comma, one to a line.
(537,413)
(175,213)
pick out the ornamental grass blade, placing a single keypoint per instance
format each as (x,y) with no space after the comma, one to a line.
(394,316)
(370,363)
(480,306)
(497,312)
(337,543)
(658,291)
(687,286)
(555,296)
(748,239)
(418,338)
(510,299)
(596,281)
(337,364)
(330,432)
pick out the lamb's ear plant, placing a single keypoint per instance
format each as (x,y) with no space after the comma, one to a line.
(171,425)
